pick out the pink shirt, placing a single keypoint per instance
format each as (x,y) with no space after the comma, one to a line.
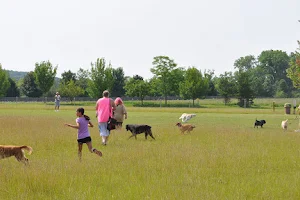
(104,109)
(83,130)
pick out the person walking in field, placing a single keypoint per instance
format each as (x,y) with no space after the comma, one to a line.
(57,101)
(83,136)
(104,109)
(120,112)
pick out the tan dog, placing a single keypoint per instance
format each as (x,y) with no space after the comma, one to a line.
(185,127)
(17,151)
(284,125)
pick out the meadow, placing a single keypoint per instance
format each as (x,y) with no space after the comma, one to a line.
(225,157)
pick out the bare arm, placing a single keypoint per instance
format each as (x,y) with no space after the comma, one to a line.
(112,104)
(125,112)
(96,109)
(73,126)
(90,124)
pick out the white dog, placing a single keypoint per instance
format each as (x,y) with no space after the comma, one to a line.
(186,117)
(284,124)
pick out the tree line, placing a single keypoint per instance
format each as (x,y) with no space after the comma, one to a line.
(273,73)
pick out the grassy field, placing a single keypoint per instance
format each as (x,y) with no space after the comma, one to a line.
(223,158)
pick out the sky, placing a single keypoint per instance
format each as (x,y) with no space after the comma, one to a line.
(209,35)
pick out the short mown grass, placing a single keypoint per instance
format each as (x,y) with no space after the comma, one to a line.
(223,158)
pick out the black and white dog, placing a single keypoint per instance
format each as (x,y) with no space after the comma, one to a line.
(139,128)
(259,123)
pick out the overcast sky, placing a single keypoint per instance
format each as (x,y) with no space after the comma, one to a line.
(208,34)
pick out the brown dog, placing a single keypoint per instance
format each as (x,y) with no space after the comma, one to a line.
(17,151)
(185,127)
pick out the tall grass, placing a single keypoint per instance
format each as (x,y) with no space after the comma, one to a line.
(223,158)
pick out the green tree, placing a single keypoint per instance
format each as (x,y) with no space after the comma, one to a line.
(137,88)
(282,89)
(101,78)
(83,79)
(177,75)
(137,77)
(163,69)
(109,80)
(119,82)
(29,87)
(245,63)
(70,90)
(13,90)
(67,76)
(293,72)
(226,86)
(269,86)
(275,64)
(54,88)
(244,90)
(45,75)
(211,91)
(194,85)
(4,82)
(257,77)
(154,83)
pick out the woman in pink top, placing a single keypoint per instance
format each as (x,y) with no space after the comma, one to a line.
(104,109)
(83,136)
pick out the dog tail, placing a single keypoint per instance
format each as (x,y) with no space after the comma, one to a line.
(28,148)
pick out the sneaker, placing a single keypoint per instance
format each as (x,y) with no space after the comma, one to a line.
(99,153)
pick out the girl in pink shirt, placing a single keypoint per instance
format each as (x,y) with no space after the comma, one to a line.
(83,136)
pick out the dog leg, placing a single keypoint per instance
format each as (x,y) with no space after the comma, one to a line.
(150,133)
(130,136)
(21,158)
(25,161)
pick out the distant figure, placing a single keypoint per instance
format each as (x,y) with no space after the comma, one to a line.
(57,101)
(120,112)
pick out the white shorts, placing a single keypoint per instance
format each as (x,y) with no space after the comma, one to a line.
(103,129)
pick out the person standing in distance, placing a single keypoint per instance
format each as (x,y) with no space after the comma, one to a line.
(57,101)
(104,109)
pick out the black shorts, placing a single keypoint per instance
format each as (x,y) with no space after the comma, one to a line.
(84,140)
